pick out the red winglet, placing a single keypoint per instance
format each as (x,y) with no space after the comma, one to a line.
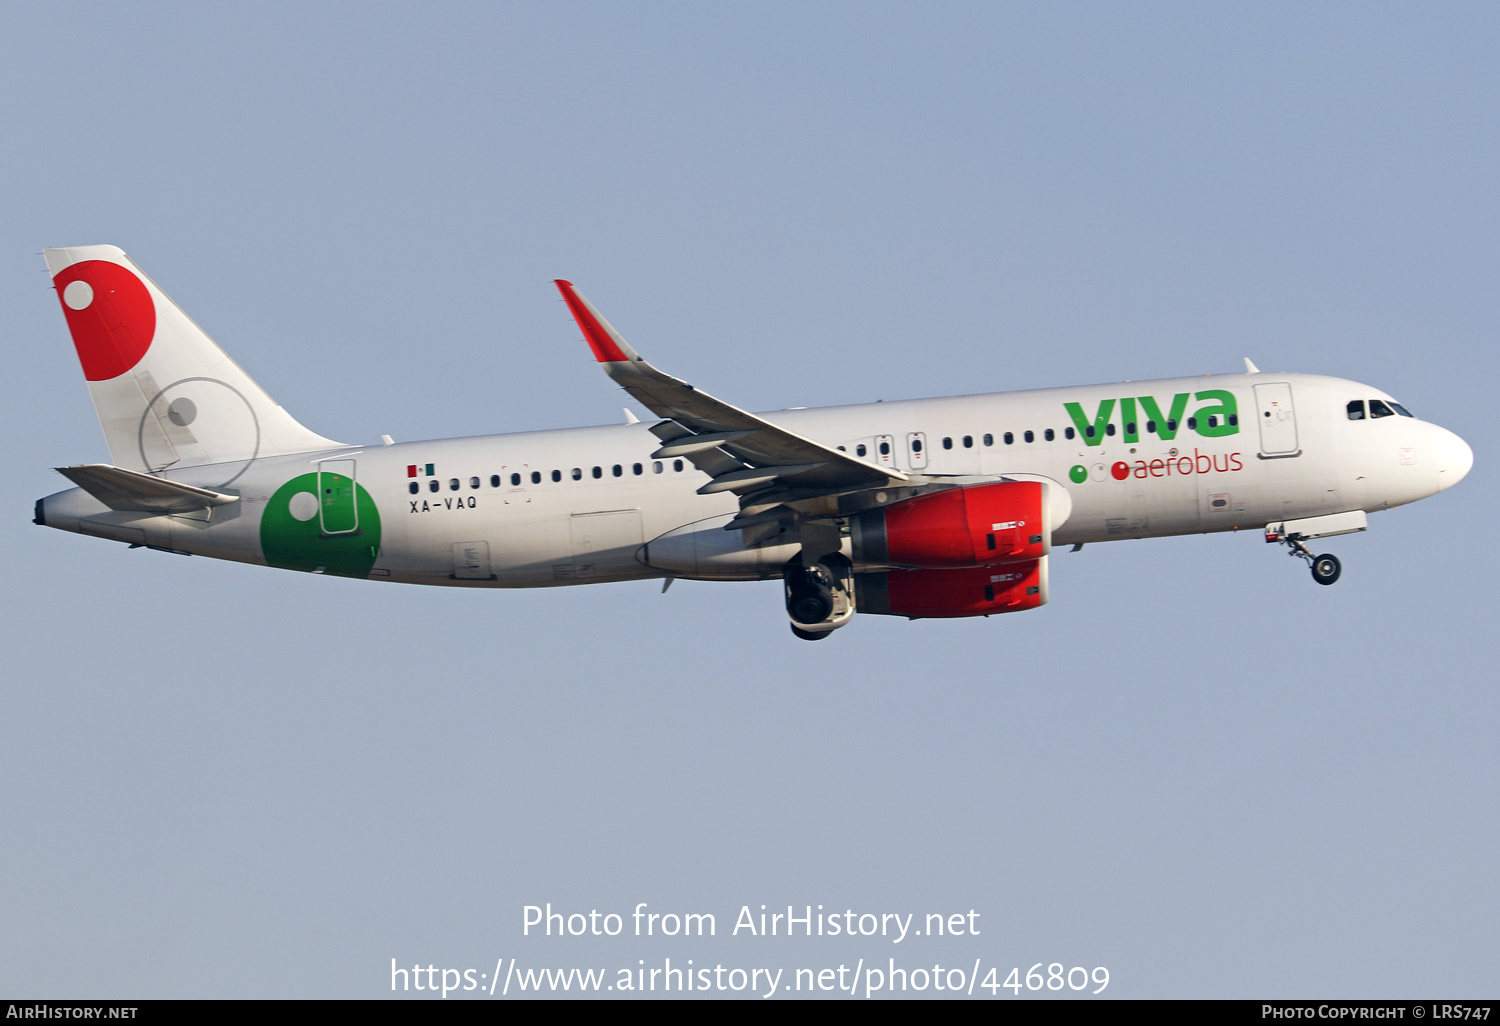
(601,337)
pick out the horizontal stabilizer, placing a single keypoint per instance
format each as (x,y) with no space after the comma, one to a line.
(129,491)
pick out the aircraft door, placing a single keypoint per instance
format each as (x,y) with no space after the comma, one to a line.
(885,450)
(916,450)
(1278,421)
(338,509)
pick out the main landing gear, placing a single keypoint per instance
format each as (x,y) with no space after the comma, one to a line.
(819,595)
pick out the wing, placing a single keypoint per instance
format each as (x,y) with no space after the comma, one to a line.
(743,453)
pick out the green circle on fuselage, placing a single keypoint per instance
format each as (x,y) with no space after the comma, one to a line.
(332,527)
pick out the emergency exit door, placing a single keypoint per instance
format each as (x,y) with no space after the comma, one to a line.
(916,450)
(1278,420)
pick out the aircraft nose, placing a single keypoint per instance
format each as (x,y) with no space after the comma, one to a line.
(1454,459)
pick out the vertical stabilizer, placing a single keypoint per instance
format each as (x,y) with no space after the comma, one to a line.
(167,396)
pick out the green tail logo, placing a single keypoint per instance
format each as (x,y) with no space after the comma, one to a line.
(321,523)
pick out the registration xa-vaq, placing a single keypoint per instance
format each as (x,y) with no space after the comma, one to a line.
(946,507)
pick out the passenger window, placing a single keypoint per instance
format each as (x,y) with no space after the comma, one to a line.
(1130,428)
(968,441)
(677,465)
(1213,421)
(656,467)
(1172,424)
(1049,434)
(1068,433)
(536,477)
(1356,409)
(885,448)
(1192,423)
(916,444)
(1379,409)
(1030,436)
(515,480)
(598,473)
(494,480)
(414,488)
(1010,438)
(1150,427)
(860,450)
(433,485)
(637,469)
(1400,409)
(453,484)
(473,482)
(989,440)
(1090,431)
(1234,420)
(618,470)
(556,476)
(577,473)
(947,443)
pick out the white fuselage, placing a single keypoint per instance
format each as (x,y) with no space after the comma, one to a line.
(590,504)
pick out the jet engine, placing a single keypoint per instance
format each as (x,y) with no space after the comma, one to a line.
(967,526)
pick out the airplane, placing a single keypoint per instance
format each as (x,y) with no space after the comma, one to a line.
(925,508)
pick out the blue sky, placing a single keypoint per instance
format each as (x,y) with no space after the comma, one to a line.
(1193,766)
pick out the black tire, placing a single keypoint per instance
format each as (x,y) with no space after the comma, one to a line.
(809,635)
(811,606)
(1326,568)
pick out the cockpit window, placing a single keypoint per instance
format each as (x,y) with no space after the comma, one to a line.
(1357,410)
(1401,410)
(1379,409)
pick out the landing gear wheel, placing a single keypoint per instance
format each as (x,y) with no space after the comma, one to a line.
(1326,568)
(809,635)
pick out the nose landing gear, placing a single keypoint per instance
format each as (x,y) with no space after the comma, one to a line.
(1295,534)
(1325,568)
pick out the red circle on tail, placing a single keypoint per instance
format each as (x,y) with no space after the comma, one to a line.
(113,328)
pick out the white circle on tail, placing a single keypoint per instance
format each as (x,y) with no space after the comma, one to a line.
(78,295)
(303,506)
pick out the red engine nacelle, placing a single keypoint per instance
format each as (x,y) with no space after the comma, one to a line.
(972,591)
(973,525)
